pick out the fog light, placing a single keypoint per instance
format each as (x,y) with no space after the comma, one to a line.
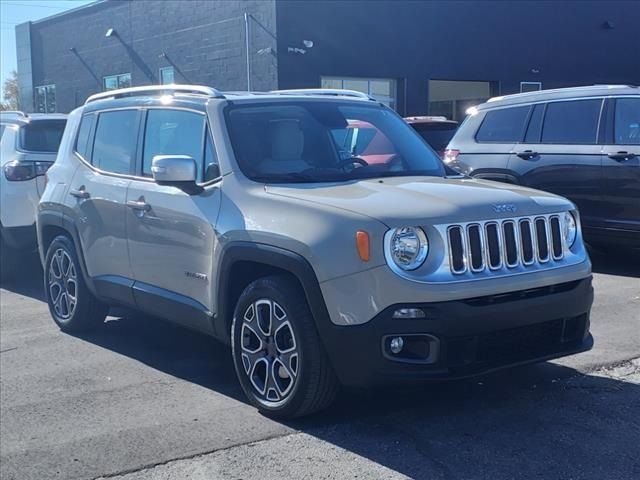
(396,345)
(409,313)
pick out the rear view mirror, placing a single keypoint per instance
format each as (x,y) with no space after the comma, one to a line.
(177,171)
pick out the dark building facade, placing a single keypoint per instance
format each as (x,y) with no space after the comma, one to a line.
(436,57)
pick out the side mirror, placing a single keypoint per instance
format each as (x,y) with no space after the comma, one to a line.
(177,171)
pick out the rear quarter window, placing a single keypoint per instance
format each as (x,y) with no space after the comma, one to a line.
(83,141)
(505,125)
(42,136)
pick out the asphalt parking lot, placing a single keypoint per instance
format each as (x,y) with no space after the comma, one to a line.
(142,399)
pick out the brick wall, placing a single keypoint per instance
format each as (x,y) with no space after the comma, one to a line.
(204,40)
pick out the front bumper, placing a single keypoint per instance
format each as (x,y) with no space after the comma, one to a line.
(474,336)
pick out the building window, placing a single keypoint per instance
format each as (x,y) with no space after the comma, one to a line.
(46,99)
(167,75)
(111,82)
(383,90)
(452,98)
(530,86)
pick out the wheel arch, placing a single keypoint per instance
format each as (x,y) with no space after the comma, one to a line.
(52,224)
(243,262)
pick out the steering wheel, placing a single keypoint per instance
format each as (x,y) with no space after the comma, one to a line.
(351,161)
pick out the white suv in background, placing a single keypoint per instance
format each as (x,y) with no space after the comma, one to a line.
(28,147)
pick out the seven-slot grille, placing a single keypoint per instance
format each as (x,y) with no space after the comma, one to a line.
(508,243)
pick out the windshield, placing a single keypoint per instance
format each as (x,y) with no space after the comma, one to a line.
(42,136)
(438,136)
(310,141)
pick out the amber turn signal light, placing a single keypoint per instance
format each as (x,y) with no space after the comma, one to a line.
(362,244)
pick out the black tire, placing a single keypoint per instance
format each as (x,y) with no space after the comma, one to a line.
(62,268)
(314,385)
(8,261)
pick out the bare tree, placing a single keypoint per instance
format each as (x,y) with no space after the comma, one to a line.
(10,93)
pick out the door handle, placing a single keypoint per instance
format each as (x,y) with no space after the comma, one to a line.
(621,156)
(527,154)
(140,206)
(79,193)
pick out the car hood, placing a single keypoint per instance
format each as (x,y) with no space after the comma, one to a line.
(395,201)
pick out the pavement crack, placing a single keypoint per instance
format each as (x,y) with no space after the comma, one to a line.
(8,349)
(150,466)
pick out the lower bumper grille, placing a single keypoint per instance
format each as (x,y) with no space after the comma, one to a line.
(514,345)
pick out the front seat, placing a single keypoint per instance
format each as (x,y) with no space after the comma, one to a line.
(287,145)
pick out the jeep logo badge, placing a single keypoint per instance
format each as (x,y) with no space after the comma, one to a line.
(504,207)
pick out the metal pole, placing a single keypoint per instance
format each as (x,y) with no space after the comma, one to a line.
(246,38)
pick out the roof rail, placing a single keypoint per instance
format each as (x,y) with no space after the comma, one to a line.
(158,90)
(333,92)
(14,112)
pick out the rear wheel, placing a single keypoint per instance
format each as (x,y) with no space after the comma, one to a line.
(73,307)
(279,360)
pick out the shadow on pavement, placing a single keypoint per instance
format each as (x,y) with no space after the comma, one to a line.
(28,280)
(543,421)
(624,262)
(170,349)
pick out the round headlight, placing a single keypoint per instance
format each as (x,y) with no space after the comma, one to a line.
(409,247)
(570,229)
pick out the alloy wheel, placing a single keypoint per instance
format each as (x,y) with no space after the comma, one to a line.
(63,284)
(269,351)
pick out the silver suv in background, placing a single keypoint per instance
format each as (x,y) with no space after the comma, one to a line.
(28,146)
(582,143)
(248,217)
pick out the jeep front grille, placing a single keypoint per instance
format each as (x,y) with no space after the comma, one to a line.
(505,244)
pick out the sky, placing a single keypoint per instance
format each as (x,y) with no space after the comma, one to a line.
(13,12)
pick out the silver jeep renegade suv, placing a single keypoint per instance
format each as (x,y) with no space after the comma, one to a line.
(315,232)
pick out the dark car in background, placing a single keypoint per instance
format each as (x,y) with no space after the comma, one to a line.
(437,131)
(582,143)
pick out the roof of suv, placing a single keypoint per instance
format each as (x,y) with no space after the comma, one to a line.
(429,119)
(559,93)
(196,96)
(21,118)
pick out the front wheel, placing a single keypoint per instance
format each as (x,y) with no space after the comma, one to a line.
(72,305)
(279,359)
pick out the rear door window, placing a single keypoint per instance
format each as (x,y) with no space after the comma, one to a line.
(114,147)
(574,122)
(505,125)
(42,136)
(174,132)
(627,121)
